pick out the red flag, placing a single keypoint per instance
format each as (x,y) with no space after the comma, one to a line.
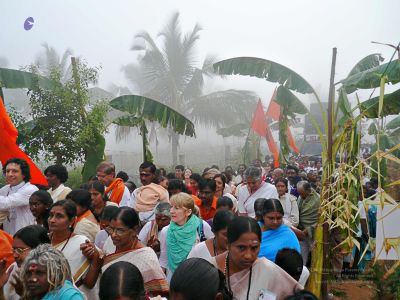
(260,126)
(9,148)
(274,112)
(274,109)
(259,122)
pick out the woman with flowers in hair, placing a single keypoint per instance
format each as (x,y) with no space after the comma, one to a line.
(46,275)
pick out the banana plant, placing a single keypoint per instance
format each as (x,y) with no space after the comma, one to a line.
(141,109)
(288,81)
(16,79)
(346,136)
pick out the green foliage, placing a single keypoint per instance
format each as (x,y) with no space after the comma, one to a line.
(94,155)
(386,288)
(371,78)
(290,106)
(370,107)
(15,79)
(142,109)
(154,111)
(74,178)
(393,124)
(266,69)
(368,62)
(65,128)
(170,73)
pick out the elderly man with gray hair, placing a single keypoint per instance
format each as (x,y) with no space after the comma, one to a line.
(309,203)
(253,189)
(150,231)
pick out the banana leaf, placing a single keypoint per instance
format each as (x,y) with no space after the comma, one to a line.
(130,121)
(391,105)
(372,130)
(154,111)
(290,103)
(371,78)
(94,154)
(393,124)
(15,79)
(344,106)
(265,69)
(368,62)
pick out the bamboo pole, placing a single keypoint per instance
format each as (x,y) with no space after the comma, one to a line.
(331,162)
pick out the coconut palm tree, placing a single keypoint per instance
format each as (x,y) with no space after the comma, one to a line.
(169,71)
(50,60)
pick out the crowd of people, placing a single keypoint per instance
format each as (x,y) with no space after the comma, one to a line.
(248,234)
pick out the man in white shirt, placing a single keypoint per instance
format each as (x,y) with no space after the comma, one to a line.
(14,197)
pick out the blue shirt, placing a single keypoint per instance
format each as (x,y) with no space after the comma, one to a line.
(274,240)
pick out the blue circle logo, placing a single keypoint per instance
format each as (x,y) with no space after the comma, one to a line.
(28,24)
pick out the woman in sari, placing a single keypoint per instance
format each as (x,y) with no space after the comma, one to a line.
(85,224)
(247,276)
(99,198)
(216,245)
(61,223)
(253,189)
(288,201)
(275,234)
(123,231)
(178,238)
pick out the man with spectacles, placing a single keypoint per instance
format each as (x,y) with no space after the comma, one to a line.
(146,197)
(116,190)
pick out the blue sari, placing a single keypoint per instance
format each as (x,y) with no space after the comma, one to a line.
(274,240)
(66,292)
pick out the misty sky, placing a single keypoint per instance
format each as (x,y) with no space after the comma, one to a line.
(296,33)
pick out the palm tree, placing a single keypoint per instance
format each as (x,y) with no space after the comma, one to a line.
(170,73)
(50,60)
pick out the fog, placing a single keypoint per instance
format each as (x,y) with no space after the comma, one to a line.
(297,34)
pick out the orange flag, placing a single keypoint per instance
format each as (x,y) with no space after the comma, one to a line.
(260,126)
(272,146)
(274,112)
(259,122)
(9,148)
(274,109)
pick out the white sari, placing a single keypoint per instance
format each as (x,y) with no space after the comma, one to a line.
(78,263)
(267,280)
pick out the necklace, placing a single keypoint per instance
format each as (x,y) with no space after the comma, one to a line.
(226,273)
(70,234)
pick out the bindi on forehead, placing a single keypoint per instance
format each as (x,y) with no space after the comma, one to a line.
(33,267)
